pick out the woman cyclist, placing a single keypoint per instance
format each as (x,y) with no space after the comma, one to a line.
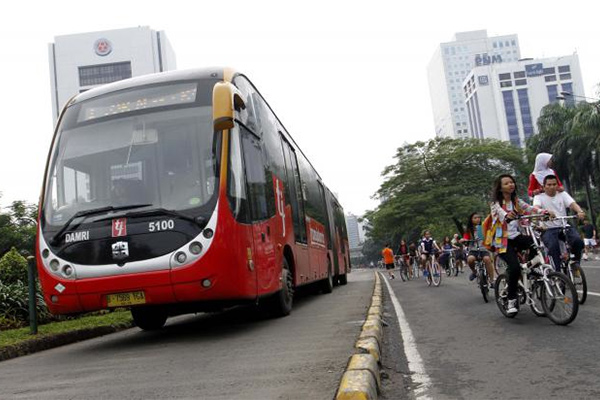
(426,247)
(447,248)
(507,238)
(475,232)
(459,254)
(403,254)
(543,168)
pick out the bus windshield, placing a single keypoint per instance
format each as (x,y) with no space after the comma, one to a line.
(163,157)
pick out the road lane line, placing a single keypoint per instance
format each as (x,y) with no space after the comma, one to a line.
(415,362)
(590,293)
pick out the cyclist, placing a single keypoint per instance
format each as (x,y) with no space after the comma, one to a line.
(412,253)
(543,168)
(427,246)
(506,236)
(403,253)
(388,260)
(475,232)
(447,248)
(460,251)
(558,202)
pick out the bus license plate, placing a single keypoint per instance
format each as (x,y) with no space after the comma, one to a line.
(125,299)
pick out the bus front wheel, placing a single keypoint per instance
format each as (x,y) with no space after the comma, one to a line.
(149,318)
(280,304)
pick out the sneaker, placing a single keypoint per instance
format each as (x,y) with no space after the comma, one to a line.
(585,257)
(511,308)
(472,276)
(393,277)
(435,274)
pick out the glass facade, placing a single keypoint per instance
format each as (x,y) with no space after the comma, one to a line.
(569,100)
(480,128)
(511,117)
(525,112)
(105,73)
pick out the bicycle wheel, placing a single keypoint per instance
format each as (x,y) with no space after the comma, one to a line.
(580,283)
(501,292)
(437,273)
(416,269)
(536,298)
(428,274)
(483,282)
(559,299)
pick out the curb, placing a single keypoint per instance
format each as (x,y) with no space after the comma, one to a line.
(60,339)
(361,379)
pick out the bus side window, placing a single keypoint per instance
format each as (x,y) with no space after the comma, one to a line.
(248,115)
(258,177)
(236,187)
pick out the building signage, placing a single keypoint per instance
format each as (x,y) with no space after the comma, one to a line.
(483,80)
(485,59)
(534,69)
(102,47)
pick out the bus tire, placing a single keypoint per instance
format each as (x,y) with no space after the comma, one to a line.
(280,304)
(149,318)
(327,283)
(343,279)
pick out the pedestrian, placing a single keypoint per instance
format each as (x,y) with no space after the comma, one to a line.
(388,260)
(543,168)
(589,238)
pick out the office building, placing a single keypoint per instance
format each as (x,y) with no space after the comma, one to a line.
(504,101)
(354,241)
(82,61)
(451,63)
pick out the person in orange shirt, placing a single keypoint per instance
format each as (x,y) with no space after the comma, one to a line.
(388,260)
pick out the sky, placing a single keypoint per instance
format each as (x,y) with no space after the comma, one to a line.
(348,79)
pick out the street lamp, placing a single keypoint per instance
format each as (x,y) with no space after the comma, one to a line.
(567,95)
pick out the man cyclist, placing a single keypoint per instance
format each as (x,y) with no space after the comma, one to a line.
(558,202)
(427,246)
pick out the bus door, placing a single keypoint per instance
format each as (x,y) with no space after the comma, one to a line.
(259,183)
(294,187)
(332,244)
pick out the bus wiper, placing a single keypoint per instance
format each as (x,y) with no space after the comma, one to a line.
(86,213)
(200,221)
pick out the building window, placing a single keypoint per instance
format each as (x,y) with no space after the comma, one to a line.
(501,44)
(564,68)
(507,43)
(511,117)
(550,70)
(495,45)
(520,74)
(525,112)
(504,77)
(564,77)
(550,78)
(514,43)
(568,87)
(552,93)
(105,73)
(521,82)
(479,125)
(506,84)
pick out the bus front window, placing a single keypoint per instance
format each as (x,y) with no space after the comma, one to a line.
(163,158)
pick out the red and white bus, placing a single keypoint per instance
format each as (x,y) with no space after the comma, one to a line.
(180,192)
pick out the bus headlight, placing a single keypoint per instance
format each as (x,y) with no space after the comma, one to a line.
(45,253)
(54,264)
(196,248)
(67,270)
(180,257)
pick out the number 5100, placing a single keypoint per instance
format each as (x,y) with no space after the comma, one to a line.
(164,225)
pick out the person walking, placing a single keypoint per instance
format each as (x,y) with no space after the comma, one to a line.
(589,238)
(388,260)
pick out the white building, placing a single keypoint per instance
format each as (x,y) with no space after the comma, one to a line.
(81,61)
(354,241)
(449,66)
(504,101)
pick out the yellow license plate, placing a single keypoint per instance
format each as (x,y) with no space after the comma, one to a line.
(125,299)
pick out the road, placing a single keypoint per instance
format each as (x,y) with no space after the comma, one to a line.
(470,351)
(232,355)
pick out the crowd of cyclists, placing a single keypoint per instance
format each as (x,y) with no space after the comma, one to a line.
(497,242)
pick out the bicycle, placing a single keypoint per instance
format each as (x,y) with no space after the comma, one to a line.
(451,269)
(540,284)
(403,268)
(432,267)
(576,276)
(414,263)
(482,275)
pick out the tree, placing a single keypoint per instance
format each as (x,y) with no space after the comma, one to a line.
(18,228)
(436,184)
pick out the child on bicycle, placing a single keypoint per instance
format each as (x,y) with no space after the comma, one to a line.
(558,202)
(427,247)
(403,254)
(475,232)
(447,248)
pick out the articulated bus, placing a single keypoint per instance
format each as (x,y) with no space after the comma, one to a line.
(182,192)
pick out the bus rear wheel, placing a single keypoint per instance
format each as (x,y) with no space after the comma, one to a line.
(327,283)
(149,318)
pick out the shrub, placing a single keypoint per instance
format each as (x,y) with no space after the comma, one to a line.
(13,267)
(14,305)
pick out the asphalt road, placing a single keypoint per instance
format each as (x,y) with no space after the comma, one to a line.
(232,355)
(470,351)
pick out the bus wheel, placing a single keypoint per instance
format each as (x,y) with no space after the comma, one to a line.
(327,283)
(149,318)
(343,279)
(281,303)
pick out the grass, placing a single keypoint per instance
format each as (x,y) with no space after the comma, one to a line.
(16,336)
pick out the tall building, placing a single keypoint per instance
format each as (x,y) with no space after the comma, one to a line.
(81,61)
(449,66)
(353,233)
(504,101)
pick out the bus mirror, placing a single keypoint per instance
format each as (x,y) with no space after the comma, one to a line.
(238,102)
(145,136)
(223,103)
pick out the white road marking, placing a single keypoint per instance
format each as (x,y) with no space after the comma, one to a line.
(415,362)
(590,293)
